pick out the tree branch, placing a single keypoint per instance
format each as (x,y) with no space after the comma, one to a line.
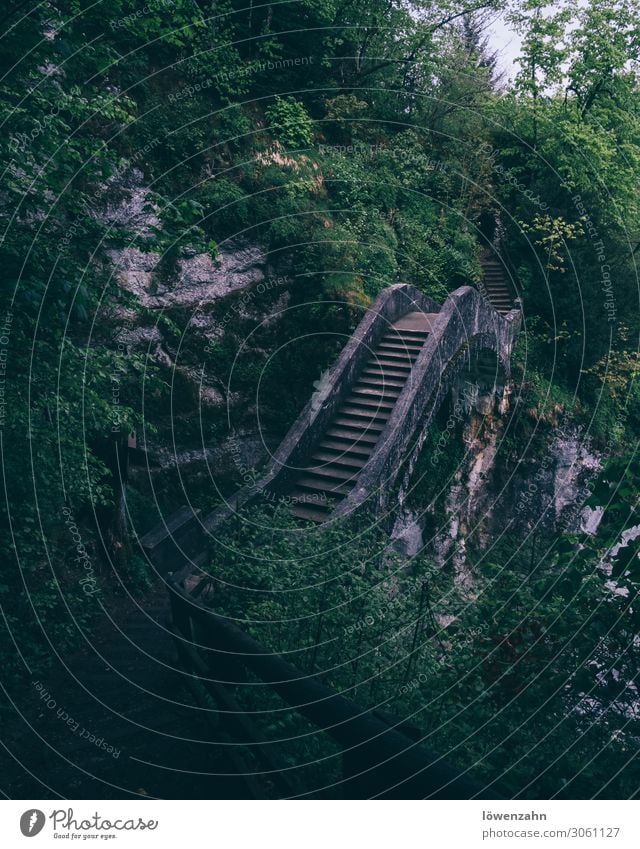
(483,4)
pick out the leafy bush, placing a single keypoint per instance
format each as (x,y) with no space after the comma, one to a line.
(224,207)
(290,123)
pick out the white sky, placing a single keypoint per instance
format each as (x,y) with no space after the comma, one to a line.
(507,44)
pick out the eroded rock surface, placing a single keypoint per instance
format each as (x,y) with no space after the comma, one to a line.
(197,279)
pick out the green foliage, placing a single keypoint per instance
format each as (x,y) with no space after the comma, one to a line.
(509,680)
(224,207)
(437,463)
(277,580)
(289,122)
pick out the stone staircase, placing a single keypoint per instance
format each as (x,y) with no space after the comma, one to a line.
(358,423)
(364,426)
(495,284)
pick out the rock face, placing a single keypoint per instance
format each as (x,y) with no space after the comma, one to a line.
(533,498)
(491,493)
(575,465)
(406,537)
(187,313)
(127,204)
(199,285)
(470,504)
(198,279)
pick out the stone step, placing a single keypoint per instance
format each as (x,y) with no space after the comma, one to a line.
(399,361)
(404,343)
(332,491)
(354,433)
(392,343)
(338,458)
(380,382)
(347,447)
(315,496)
(381,391)
(322,484)
(403,365)
(385,371)
(330,472)
(395,347)
(364,427)
(410,338)
(309,514)
(332,478)
(370,402)
(364,415)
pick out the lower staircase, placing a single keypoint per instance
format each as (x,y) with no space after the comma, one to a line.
(358,423)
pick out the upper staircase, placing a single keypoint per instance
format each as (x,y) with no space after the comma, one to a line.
(496,285)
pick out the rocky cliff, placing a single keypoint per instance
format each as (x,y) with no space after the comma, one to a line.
(525,484)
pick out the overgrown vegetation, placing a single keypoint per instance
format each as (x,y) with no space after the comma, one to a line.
(530,679)
(359,144)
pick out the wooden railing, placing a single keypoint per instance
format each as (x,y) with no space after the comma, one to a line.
(381,756)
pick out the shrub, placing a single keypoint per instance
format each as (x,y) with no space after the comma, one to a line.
(290,122)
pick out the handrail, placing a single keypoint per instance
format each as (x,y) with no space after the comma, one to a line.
(379,760)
